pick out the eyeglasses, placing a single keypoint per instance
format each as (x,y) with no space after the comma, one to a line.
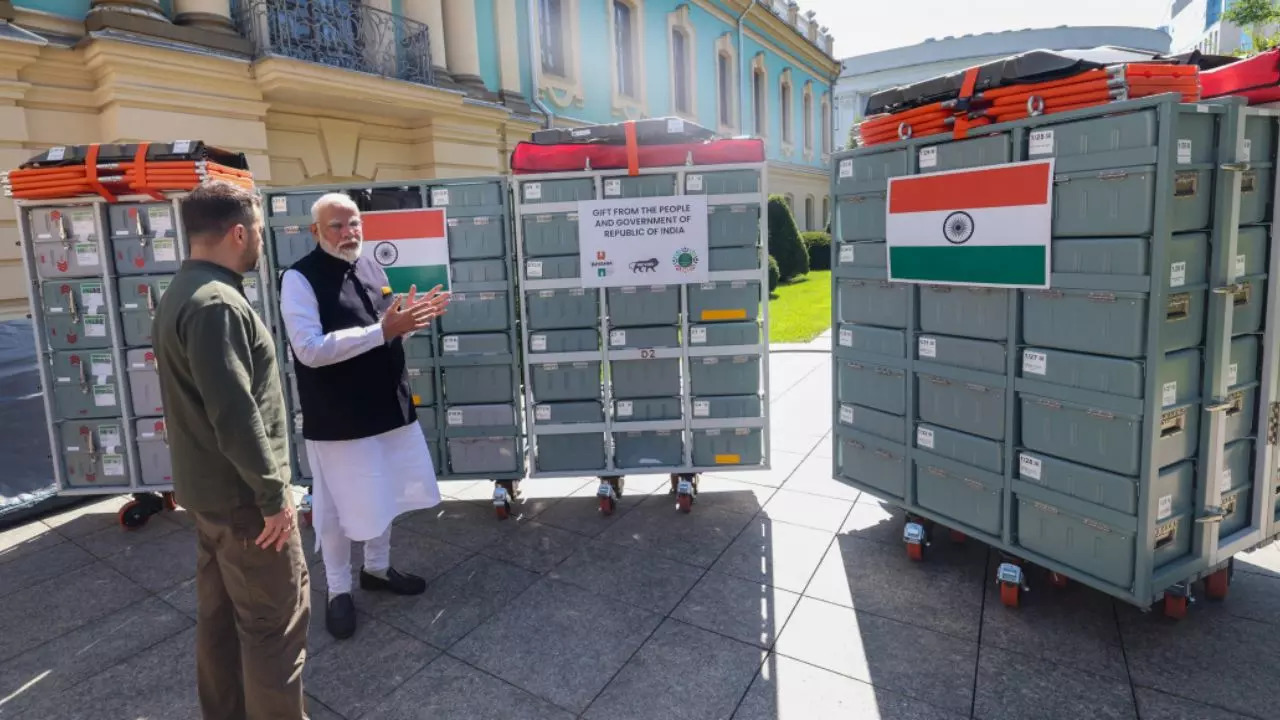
(336,225)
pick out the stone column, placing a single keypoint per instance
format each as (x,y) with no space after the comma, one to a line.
(463,52)
(509,57)
(145,8)
(431,14)
(212,15)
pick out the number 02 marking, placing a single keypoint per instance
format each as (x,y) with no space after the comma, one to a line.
(647,354)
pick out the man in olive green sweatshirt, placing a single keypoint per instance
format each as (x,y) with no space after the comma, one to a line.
(227,431)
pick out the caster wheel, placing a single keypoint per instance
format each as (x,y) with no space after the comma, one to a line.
(1058,580)
(915,551)
(503,511)
(134,515)
(958,537)
(684,503)
(170,502)
(1175,606)
(1216,585)
(607,505)
(1009,595)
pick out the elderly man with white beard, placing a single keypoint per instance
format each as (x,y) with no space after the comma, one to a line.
(369,460)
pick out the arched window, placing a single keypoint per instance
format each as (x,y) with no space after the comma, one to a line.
(808,213)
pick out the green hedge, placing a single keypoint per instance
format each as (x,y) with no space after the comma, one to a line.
(818,244)
(773,274)
(784,240)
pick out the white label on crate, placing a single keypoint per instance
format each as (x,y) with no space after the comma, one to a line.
(538,343)
(533,268)
(551,367)
(846,254)
(698,336)
(618,338)
(693,183)
(1040,143)
(164,250)
(928,157)
(1169,394)
(480,221)
(86,254)
(1246,150)
(159,220)
(100,365)
(928,347)
(82,224)
(95,325)
(543,293)
(1036,363)
(846,337)
(279,205)
(161,287)
(1233,374)
(56,154)
(1166,507)
(91,297)
(251,289)
(1184,151)
(439,197)
(924,438)
(533,191)
(1240,265)
(625,408)
(629,290)
(846,414)
(708,286)
(612,187)
(710,361)
(577,292)
(702,408)
(1224,481)
(182,147)
(1029,467)
(109,436)
(542,412)
(113,465)
(104,395)
(846,169)
(1178,274)
(451,344)
(675,126)
(455,416)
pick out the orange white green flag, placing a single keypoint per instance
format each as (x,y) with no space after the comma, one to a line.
(985,226)
(412,246)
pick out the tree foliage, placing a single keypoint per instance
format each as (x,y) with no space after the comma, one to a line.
(784,240)
(1256,17)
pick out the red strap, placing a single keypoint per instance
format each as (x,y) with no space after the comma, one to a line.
(966,91)
(140,169)
(91,173)
(633,150)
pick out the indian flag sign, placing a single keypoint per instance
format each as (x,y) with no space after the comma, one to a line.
(412,246)
(987,226)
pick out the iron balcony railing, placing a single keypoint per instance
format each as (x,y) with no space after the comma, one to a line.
(339,33)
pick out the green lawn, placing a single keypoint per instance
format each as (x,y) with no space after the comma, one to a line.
(801,309)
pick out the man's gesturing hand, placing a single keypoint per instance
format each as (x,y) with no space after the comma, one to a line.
(276,529)
(413,313)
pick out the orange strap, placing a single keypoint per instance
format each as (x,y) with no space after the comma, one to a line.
(961,129)
(91,172)
(633,150)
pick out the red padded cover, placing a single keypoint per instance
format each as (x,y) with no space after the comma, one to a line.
(1257,79)
(531,158)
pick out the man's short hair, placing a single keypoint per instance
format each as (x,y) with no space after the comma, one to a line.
(328,200)
(216,206)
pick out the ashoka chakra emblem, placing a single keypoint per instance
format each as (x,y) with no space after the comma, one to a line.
(385,253)
(958,227)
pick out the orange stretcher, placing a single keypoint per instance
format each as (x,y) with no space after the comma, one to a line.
(51,180)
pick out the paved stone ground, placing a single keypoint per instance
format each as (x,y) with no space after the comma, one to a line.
(784,595)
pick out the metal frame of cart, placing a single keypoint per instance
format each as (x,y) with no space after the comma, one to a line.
(605,354)
(1210,555)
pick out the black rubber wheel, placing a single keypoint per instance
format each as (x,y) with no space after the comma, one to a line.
(134,515)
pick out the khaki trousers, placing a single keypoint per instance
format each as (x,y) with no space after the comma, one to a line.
(254,611)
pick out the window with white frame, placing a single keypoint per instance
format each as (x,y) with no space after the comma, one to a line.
(625,49)
(553,40)
(826,124)
(808,212)
(807,117)
(727,83)
(683,84)
(759,96)
(826,210)
(785,102)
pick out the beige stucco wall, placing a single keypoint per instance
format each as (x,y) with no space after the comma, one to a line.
(297,122)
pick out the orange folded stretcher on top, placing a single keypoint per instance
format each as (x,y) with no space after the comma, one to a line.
(1022,86)
(111,171)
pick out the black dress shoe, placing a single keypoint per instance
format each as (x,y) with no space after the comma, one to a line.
(340,617)
(396,582)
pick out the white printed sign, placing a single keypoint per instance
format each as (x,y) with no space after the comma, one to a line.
(658,241)
(1177,274)
(1166,507)
(1029,467)
(164,251)
(1036,363)
(1040,143)
(924,438)
(846,414)
(1184,151)
(928,157)
(928,347)
(1169,394)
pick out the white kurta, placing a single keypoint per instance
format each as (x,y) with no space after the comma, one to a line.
(364,483)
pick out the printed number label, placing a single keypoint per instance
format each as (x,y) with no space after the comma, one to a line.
(693,183)
(613,187)
(846,337)
(924,438)
(702,408)
(104,396)
(625,408)
(846,169)
(533,191)
(113,465)
(164,251)
(542,412)
(1246,150)
(1184,151)
(928,347)
(534,268)
(1041,143)
(698,335)
(86,255)
(279,205)
(846,414)
(1166,507)
(846,254)
(1169,394)
(538,343)
(1036,363)
(1178,274)
(1240,265)
(1029,467)
(648,354)
(109,436)
(1233,374)
(1224,480)
(455,417)
(618,338)
(451,344)
(928,157)
(440,196)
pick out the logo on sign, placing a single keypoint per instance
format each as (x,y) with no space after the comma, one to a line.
(958,227)
(684,260)
(641,266)
(385,253)
(603,266)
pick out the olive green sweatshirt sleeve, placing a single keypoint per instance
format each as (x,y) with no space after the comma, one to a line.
(220,358)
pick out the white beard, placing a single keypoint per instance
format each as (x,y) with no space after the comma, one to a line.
(348,255)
